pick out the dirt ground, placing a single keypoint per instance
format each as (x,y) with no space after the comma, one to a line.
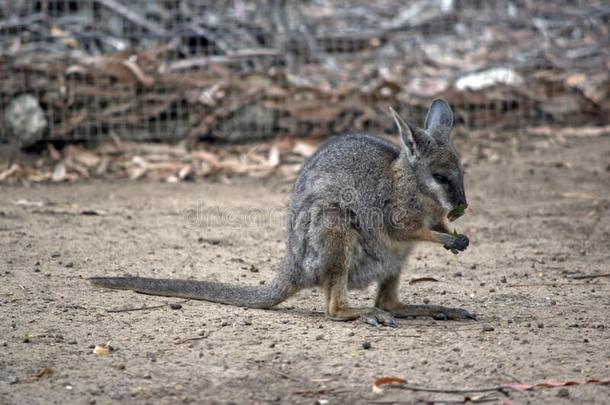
(539,215)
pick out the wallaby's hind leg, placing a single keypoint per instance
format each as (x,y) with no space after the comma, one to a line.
(387,300)
(338,308)
(333,262)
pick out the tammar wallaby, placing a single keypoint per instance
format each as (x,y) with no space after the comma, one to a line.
(358,206)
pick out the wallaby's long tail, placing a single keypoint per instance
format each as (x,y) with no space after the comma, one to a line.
(263,296)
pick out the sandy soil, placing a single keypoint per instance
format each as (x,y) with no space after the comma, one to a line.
(539,216)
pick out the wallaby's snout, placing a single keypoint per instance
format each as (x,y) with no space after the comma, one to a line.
(458,201)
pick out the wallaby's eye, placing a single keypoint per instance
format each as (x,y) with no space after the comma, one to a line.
(440,178)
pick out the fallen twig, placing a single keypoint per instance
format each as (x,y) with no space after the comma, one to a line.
(394,335)
(112,311)
(181,341)
(590,276)
(421,279)
(548,284)
(499,388)
(473,400)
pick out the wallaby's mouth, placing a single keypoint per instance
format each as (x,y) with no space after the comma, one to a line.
(457,212)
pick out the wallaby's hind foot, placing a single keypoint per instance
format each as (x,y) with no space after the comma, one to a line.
(435,311)
(387,300)
(371,316)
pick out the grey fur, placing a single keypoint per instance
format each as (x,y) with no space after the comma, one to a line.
(357,206)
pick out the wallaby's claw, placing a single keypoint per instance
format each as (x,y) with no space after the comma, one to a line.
(454,314)
(459,244)
(379,318)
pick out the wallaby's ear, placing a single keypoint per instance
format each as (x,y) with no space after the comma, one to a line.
(439,120)
(409,136)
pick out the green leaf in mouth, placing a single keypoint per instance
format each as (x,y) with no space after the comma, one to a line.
(457,212)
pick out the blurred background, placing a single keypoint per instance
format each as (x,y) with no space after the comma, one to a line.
(210,78)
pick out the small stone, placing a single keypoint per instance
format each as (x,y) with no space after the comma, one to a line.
(426,301)
(36,270)
(121,366)
(540,325)
(473,266)
(553,302)
(175,306)
(320,337)
(488,328)
(13,380)
(247,321)
(224,323)
(563,393)
(482,284)
(272,345)
(55,254)
(503,280)
(26,340)
(366,345)
(69,265)
(457,274)
(586,340)
(352,333)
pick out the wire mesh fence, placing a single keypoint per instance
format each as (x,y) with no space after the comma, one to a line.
(240,70)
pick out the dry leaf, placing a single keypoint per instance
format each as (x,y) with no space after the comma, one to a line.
(27,203)
(304,149)
(274,156)
(9,172)
(378,385)
(43,372)
(103,350)
(185,172)
(59,173)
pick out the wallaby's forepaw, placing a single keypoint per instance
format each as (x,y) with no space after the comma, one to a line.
(453,314)
(378,317)
(458,244)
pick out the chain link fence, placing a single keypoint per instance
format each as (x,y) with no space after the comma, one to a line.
(241,71)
